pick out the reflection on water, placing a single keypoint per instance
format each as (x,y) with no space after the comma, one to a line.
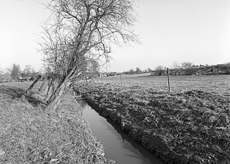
(118,146)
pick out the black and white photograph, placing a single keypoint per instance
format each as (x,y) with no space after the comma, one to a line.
(114,81)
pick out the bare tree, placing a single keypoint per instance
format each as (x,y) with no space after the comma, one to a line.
(138,70)
(6,75)
(149,70)
(27,70)
(92,69)
(15,71)
(131,71)
(160,68)
(186,64)
(81,30)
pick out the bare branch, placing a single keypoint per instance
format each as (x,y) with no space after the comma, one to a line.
(79,32)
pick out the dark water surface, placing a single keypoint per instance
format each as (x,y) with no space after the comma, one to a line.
(118,145)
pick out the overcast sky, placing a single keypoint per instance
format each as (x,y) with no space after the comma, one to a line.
(196,31)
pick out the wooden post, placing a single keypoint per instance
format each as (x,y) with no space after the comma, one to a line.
(168,80)
(121,79)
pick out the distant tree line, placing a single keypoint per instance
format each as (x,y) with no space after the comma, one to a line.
(17,74)
(188,68)
(137,70)
(176,65)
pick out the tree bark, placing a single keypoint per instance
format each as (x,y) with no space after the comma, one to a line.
(56,97)
(61,89)
(42,86)
(28,91)
(48,88)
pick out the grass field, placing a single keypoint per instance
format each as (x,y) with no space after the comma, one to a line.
(219,83)
(22,85)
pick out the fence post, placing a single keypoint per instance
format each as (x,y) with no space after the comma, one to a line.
(121,79)
(168,80)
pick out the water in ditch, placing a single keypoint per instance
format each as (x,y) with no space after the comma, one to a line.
(118,146)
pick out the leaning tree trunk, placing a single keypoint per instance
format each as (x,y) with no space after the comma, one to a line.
(57,95)
(48,85)
(48,88)
(42,86)
(28,91)
(61,89)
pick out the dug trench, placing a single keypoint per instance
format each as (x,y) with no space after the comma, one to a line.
(189,127)
(118,145)
(117,123)
(133,134)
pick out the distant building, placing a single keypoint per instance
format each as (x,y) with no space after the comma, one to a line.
(102,74)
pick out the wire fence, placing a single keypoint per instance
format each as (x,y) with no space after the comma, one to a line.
(211,83)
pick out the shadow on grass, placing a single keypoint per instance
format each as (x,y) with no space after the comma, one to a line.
(15,92)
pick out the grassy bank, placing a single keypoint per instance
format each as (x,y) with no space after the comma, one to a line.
(185,127)
(29,135)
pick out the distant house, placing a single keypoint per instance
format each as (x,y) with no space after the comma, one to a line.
(159,72)
(111,73)
(102,74)
(27,78)
(21,79)
(89,75)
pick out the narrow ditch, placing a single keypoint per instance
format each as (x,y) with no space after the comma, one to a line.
(118,145)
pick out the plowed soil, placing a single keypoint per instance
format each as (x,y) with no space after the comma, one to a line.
(183,127)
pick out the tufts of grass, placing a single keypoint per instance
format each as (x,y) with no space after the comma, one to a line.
(28,134)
